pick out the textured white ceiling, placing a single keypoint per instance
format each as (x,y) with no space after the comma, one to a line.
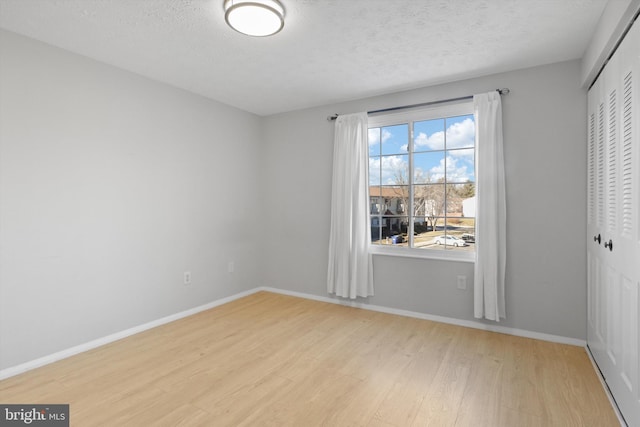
(328,51)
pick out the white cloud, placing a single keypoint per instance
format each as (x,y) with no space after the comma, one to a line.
(391,167)
(385,135)
(459,163)
(374,136)
(461,134)
(433,142)
(454,171)
(466,155)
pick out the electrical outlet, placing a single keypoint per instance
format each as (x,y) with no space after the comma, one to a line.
(462,282)
(231,267)
(187,277)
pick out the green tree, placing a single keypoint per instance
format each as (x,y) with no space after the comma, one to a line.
(466,190)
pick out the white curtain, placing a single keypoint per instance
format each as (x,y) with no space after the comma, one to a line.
(350,272)
(491,212)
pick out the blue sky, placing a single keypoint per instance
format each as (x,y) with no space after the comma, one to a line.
(431,162)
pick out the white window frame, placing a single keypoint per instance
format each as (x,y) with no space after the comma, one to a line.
(409,116)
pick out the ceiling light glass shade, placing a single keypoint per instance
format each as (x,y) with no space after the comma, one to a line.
(254,17)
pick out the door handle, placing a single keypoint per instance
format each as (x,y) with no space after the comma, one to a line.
(596,238)
(609,245)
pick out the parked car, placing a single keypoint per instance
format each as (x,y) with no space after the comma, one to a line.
(397,239)
(449,240)
(469,238)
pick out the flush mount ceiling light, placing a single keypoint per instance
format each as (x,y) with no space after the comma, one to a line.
(254,17)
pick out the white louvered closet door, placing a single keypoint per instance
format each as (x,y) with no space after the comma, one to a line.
(613,224)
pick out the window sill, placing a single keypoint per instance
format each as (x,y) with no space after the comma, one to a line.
(435,254)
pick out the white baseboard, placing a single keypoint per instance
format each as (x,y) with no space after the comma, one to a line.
(27,366)
(441,319)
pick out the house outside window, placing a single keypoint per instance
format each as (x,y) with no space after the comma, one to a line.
(422,181)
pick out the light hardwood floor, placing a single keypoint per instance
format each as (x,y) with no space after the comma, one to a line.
(276,360)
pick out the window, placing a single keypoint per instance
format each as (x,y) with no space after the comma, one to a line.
(422,180)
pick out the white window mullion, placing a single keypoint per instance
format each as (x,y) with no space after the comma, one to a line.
(411,208)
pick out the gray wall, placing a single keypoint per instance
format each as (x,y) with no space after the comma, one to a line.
(616,16)
(111,186)
(544,131)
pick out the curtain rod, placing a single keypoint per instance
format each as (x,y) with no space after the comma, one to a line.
(502,91)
